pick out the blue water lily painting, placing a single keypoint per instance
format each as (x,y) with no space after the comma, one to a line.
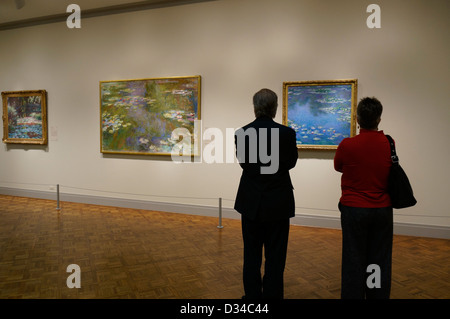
(25,117)
(139,116)
(322,113)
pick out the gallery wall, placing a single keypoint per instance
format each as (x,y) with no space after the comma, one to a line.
(238,47)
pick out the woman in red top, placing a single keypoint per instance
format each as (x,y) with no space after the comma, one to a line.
(366,212)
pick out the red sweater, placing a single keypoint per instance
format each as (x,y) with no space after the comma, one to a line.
(364,161)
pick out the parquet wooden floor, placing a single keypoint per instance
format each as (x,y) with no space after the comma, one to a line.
(138,254)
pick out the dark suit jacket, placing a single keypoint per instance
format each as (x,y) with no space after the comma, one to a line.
(267,197)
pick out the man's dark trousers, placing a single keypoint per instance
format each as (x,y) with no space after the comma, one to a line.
(273,235)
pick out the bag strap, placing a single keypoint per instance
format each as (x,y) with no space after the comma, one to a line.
(394,156)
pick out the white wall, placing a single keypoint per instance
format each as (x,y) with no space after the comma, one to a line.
(238,47)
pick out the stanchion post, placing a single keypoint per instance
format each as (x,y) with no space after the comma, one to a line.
(220,213)
(57,197)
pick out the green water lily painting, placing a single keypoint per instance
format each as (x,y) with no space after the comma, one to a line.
(322,113)
(139,116)
(25,117)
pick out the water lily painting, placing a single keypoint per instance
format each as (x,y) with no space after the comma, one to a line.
(25,117)
(322,113)
(139,116)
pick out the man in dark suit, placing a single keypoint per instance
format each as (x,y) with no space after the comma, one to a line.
(266,151)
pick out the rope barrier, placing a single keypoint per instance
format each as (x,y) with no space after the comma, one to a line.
(397,213)
(26,183)
(148,195)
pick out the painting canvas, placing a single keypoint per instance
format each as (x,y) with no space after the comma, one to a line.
(139,116)
(321,112)
(25,117)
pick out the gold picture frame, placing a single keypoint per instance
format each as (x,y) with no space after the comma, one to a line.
(25,117)
(322,113)
(137,117)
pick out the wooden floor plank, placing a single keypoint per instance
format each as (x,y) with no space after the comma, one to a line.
(131,253)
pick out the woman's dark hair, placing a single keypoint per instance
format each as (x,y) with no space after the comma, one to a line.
(369,112)
(265,103)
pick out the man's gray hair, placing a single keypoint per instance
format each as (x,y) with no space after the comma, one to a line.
(265,103)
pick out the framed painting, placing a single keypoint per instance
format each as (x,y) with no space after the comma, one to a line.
(139,116)
(25,117)
(322,113)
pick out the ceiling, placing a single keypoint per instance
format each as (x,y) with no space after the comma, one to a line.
(39,11)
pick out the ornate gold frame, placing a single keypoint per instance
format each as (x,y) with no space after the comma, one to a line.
(41,141)
(354,90)
(104,151)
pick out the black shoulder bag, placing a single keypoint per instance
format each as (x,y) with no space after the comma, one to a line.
(399,187)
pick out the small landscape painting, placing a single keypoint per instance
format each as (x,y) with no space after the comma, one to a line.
(25,117)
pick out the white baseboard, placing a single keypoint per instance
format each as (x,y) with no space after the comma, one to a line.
(299,219)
